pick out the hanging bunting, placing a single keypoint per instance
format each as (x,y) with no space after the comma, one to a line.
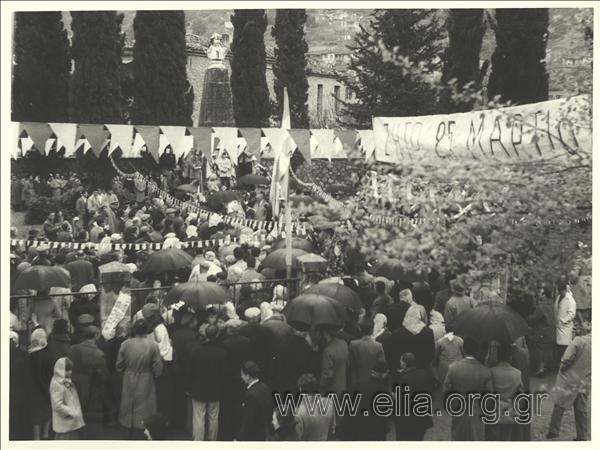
(95,134)
(121,136)
(302,139)
(228,140)
(66,133)
(367,142)
(175,136)
(150,135)
(39,133)
(202,137)
(252,136)
(348,140)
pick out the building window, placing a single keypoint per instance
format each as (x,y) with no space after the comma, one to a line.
(319,101)
(348,93)
(336,94)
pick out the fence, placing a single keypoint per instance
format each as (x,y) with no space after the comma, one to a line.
(21,304)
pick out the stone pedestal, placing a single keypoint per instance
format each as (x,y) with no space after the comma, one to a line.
(216,107)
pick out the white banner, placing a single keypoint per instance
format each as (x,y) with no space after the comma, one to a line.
(528,132)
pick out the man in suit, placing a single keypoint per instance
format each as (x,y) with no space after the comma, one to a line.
(261,339)
(413,381)
(81,270)
(257,405)
(334,365)
(465,376)
(459,302)
(364,353)
(205,382)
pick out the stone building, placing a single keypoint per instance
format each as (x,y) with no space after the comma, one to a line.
(323,86)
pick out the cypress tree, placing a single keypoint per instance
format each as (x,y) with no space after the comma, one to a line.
(41,68)
(96,84)
(383,88)
(251,103)
(162,94)
(518,62)
(461,60)
(289,68)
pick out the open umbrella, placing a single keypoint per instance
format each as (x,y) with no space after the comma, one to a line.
(252,180)
(297,242)
(192,189)
(276,259)
(167,260)
(335,280)
(221,198)
(114,272)
(339,292)
(392,269)
(491,321)
(312,310)
(42,278)
(197,294)
(279,328)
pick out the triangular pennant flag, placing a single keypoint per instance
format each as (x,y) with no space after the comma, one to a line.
(348,140)
(228,139)
(277,138)
(66,133)
(367,142)
(121,136)
(302,139)
(202,137)
(150,135)
(252,136)
(95,134)
(138,143)
(325,142)
(175,136)
(39,133)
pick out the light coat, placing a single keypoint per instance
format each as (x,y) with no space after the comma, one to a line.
(574,376)
(564,313)
(66,409)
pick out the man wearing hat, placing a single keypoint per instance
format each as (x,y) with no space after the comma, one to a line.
(261,339)
(42,258)
(81,270)
(83,322)
(459,302)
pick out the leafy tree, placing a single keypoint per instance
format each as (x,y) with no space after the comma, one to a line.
(251,105)
(518,63)
(41,68)
(198,26)
(163,95)
(466,28)
(96,83)
(290,64)
(386,89)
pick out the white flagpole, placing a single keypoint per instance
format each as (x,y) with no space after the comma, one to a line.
(286,124)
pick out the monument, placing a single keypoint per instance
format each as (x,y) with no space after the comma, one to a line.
(216,107)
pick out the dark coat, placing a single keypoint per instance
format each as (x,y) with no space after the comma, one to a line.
(257,410)
(82,273)
(42,369)
(90,375)
(237,348)
(395,315)
(182,340)
(82,306)
(206,371)
(286,433)
(403,341)
(19,395)
(373,426)
(262,344)
(58,346)
(293,358)
(334,367)
(417,381)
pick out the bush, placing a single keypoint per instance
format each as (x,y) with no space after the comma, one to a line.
(41,206)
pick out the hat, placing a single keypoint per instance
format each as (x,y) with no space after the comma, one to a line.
(80,253)
(115,237)
(230,259)
(172,211)
(42,248)
(87,288)
(170,235)
(234,324)
(144,229)
(85,319)
(210,255)
(149,310)
(252,313)
(132,267)
(75,219)
(145,217)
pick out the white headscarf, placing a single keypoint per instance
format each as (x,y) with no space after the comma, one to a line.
(265,311)
(379,324)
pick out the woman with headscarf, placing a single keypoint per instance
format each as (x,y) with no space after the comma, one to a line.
(140,362)
(67,417)
(279,298)
(41,373)
(266,312)
(380,331)
(415,310)
(436,323)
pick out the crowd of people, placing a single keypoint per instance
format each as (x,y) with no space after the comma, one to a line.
(169,371)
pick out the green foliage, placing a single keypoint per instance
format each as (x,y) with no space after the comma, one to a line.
(41,68)
(382,87)
(466,28)
(519,61)
(163,94)
(289,68)
(41,206)
(96,83)
(251,104)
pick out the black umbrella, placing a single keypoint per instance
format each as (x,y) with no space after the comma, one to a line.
(339,292)
(297,242)
(221,198)
(392,269)
(491,321)
(42,278)
(312,310)
(167,260)
(197,294)
(276,259)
